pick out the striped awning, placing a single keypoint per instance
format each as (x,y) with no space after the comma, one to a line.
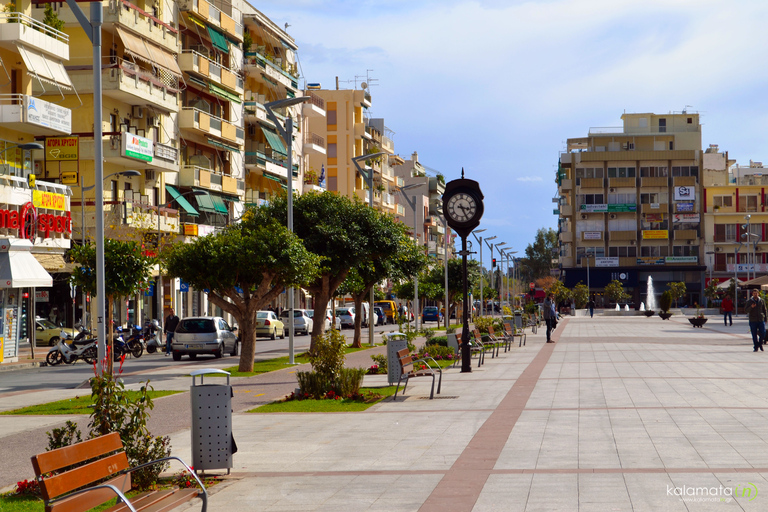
(274,141)
(218,40)
(149,53)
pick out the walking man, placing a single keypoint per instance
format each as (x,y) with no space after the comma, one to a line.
(727,306)
(591,306)
(757,314)
(171,322)
(550,316)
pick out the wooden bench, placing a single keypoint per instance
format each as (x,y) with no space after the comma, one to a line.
(490,344)
(408,370)
(503,340)
(454,343)
(511,332)
(62,491)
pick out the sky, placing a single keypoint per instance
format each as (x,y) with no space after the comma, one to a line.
(496,87)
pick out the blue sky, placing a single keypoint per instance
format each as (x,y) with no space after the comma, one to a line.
(498,86)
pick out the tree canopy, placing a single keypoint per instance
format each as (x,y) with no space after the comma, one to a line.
(538,256)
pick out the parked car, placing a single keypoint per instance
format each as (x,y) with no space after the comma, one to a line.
(302,321)
(389,307)
(47,333)
(431,314)
(329,320)
(381,317)
(203,335)
(267,324)
(347,316)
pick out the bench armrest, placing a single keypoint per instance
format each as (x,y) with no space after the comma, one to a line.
(203,497)
(103,486)
(437,366)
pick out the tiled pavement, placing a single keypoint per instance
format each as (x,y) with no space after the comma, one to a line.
(622,413)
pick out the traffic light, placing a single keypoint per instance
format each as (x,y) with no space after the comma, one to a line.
(493,265)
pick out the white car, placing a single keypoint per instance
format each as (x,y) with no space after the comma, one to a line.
(346,316)
(302,321)
(329,319)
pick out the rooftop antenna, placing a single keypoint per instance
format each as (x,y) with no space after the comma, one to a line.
(369,82)
(286,26)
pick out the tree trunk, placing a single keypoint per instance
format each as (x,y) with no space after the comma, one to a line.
(110,340)
(321,298)
(356,341)
(247,329)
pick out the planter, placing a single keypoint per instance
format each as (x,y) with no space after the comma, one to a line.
(649,314)
(665,315)
(698,322)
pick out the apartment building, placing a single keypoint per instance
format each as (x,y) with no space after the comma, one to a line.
(629,201)
(734,201)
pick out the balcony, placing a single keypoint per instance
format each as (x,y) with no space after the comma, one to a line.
(654,182)
(566,210)
(314,143)
(684,181)
(614,236)
(194,176)
(127,82)
(195,119)
(654,208)
(214,16)
(191,61)
(16,27)
(117,149)
(591,182)
(622,182)
(34,116)
(272,71)
(311,187)
(686,234)
(315,105)
(566,184)
(435,249)
(566,237)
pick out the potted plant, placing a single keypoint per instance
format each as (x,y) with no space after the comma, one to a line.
(649,313)
(699,319)
(665,302)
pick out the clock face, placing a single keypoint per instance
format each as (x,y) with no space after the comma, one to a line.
(462,207)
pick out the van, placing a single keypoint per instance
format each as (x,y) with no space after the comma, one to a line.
(390,309)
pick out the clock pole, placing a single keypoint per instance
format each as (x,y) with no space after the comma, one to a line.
(466,354)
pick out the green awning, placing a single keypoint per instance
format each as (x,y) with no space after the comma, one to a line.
(205,203)
(182,201)
(223,93)
(269,80)
(197,82)
(274,141)
(218,203)
(275,178)
(218,40)
(221,145)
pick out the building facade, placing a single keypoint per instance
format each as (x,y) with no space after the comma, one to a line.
(629,204)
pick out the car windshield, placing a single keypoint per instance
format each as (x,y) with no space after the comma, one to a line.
(262,314)
(310,313)
(196,325)
(342,311)
(47,324)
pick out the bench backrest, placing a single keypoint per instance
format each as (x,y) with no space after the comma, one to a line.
(109,458)
(406,361)
(491,332)
(477,335)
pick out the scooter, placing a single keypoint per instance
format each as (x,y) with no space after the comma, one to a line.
(152,337)
(135,342)
(68,350)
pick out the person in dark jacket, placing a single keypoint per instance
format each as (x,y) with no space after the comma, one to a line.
(591,306)
(757,313)
(171,322)
(550,315)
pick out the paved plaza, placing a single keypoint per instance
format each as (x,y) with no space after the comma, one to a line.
(623,413)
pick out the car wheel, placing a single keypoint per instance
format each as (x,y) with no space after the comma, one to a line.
(219,352)
(53,341)
(234,349)
(193,356)
(273,336)
(283,336)
(177,356)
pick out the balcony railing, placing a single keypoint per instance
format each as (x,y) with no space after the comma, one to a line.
(313,138)
(23,19)
(166,152)
(316,100)
(212,69)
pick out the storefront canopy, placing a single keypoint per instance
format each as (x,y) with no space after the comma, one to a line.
(19,268)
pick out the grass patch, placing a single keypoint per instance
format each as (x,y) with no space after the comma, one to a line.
(279,363)
(77,405)
(327,405)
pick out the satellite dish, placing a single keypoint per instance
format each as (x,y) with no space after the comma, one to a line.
(364,85)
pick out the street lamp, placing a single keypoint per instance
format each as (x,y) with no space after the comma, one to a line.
(368,175)
(500,284)
(287,134)
(412,204)
(445,258)
(490,246)
(83,190)
(159,287)
(479,241)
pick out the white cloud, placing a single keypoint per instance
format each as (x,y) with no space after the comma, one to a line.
(530,178)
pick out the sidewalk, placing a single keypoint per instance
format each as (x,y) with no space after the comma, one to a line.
(622,413)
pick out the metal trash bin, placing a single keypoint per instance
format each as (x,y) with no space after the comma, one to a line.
(396,341)
(212,441)
(518,319)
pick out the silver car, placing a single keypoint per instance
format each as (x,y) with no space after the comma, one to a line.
(302,321)
(204,335)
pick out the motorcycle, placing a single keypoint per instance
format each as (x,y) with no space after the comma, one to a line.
(68,350)
(151,333)
(135,342)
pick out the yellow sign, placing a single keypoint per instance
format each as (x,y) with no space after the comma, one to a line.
(69,178)
(655,234)
(49,200)
(62,149)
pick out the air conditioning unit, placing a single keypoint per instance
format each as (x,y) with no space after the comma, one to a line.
(114,141)
(613,215)
(718,249)
(137,112)
(633,242)
(153,121)
(691,242)
(583,216)
(149,175)
(624,145)
(611,190)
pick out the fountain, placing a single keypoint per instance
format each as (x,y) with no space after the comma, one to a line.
(626,307)
(642,306)
(650,299)
(618,308)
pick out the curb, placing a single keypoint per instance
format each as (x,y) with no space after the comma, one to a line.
(18,366)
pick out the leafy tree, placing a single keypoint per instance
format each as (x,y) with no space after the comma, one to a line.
(126,271)
(244,268)
(615,291)
(343,232)
(545,283)
(538,256)
(51,18)
(711,292)
(581,295)
(665,301)
(561,292)
(436,277)
(677,290)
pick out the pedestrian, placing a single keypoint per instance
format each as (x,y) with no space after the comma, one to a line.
(171,322)
(550,316)
(591,306)
(757,314)
(727,308)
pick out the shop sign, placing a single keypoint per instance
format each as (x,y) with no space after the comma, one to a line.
(650,261)
(655,234)
(49,200)
(654,217)
(686,217)
(607,262)
(593,235)
(27,218)
(682,259)
(137,147)
(685,193)
(743,267)
(610,208)
(42,296)
(49,115)
(684,207)
(62,149)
